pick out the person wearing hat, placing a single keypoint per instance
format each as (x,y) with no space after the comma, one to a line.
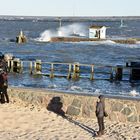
(100,114)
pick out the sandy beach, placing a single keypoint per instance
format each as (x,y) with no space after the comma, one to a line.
(22,121)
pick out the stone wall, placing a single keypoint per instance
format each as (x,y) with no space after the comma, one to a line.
(121,110)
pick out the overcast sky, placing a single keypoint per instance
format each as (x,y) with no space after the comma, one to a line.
(70,7)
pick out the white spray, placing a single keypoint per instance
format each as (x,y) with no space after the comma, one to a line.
(45,36)
(64,31)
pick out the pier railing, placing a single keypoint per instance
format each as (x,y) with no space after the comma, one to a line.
(74,70)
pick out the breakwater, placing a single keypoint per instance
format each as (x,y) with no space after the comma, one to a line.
(78,39)
(119,109)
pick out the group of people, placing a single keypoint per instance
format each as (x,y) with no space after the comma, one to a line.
(4,98)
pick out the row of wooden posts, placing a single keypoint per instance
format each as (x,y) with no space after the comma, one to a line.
(73,71)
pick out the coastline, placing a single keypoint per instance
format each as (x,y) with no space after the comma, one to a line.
(137,98)
(23,120)
(79,105)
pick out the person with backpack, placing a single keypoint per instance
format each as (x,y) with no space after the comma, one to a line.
(3,80)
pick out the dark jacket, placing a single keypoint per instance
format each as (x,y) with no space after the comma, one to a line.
(100,108)
(3,65)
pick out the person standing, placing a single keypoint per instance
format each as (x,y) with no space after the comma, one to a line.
(100,114)
(4,80)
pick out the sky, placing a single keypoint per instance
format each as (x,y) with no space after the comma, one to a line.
(70,7)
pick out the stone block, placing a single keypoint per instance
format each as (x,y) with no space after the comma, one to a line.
(76,103)
(92,108)
(132,118)
(117,106)
(88,110)
(71,110)
(91,101)
(126,111)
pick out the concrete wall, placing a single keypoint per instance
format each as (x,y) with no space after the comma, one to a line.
(121,110)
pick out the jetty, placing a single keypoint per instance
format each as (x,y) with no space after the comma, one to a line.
(128,72)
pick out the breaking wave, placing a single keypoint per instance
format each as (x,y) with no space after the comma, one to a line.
(64,31)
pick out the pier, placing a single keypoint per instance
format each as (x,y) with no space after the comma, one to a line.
(75,71)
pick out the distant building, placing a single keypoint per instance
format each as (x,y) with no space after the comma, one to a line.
(97,32)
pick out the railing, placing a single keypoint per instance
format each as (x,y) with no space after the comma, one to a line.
(72,70)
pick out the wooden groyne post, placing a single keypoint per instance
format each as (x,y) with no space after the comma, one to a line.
(37,66)
(134,71)
(111,74)
(69,71)
(52,71)
(16,65)
(31,67)
(76,71)
(118,73)
(92,72)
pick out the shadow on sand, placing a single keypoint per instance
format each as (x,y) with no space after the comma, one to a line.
(56,105)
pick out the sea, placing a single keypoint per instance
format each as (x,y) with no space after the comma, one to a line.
(39,30)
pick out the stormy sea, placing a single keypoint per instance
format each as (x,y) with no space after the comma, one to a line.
(39,31)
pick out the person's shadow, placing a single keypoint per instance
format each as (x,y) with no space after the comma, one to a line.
(56,105)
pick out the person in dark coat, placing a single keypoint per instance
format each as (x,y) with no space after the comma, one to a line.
(100,114)
(4,85)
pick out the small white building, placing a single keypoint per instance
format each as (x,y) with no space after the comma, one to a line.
(97,32)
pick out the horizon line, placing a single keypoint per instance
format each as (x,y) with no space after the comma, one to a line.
(65,16)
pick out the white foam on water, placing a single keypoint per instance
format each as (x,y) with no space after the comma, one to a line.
(52,86)
(76,88)
(108,42)
(105,42)
(72,30)
(131,46)
(64,31)
(45,36)
(134,93)
(97,91)
(138,42)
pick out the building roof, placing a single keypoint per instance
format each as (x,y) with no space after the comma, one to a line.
(96,27)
